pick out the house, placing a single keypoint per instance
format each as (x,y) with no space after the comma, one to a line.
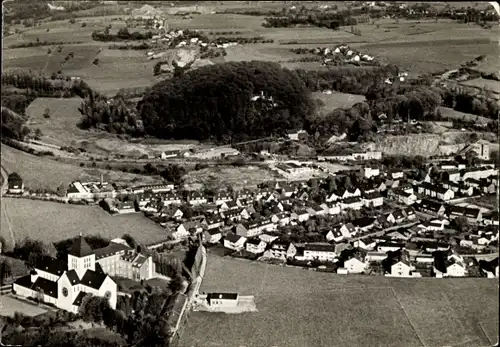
(356,262)
(399,216)
(369,172)
(123,207)
(298,135)
(256,246)
(375,257)
(430,247)
(472,182)
(268,238)
(398,263)
(317,251)
(180,232)
(434,191)
(214,222)
(170,198)
(471,213)
(168,154)
(282,218)
(487,187)
(400,234)
(222,197)
(197,198)
(332,208)
(366,243)
(301,215)
(364,224)
(65,284)
(403,197)
(232,215)
(222,300)
(448,265)
(432,207)
(390,246)
(281,250)
(228,205)
(478,173)
(315,210)
(374,199)
(15,184)
(254,228)
(333,235)
(396,174)
(340,194)
(212,235)
(234,242)
(354,203)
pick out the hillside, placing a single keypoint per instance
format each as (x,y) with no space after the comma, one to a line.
(240,100)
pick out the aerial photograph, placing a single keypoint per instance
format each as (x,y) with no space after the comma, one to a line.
(250,174)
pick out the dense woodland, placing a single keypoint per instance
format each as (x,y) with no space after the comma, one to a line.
(215,102)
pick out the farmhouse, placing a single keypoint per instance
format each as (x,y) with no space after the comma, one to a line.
(65,285)
(90,190)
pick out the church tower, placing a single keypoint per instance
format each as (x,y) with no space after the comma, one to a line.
(80,257)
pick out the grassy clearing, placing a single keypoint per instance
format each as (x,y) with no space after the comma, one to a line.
(238,177)
(450,114)
(10,305)
(337,100)
(494,86)
(441,311)
(212,22)
(52,222)
(45,173)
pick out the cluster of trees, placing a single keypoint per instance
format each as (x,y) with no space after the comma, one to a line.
(467,102)
(115,115)
(326,19)
(241,40)
(139,47)
(13,125)
(215,102)
(39,43)
(122,35)
(171,172)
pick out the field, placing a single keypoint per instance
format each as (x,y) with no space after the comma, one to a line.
(494,86)
(9,305)
(304,308)
(337,100)
(51,222)
(45,173)
(449,113)
(238,177)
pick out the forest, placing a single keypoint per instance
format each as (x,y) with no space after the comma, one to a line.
(215,102)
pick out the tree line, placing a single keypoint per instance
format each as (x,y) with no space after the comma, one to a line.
(122,35)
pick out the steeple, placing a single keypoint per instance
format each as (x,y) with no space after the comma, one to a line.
(80,248)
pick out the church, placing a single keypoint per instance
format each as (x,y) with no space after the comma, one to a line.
(87,271)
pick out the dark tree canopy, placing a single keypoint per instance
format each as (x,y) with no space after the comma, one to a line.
(216,102)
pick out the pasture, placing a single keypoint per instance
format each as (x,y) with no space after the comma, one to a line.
(305,308)
(337,100)
(52,222)
(451,114)
(47,174)
(491,85)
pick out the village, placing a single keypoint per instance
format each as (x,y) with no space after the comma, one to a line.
(372,220)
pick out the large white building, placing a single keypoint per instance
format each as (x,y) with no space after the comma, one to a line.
(87,271)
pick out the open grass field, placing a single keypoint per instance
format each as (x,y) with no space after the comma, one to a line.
(494,86)
(450,114)
(238,177)
(337,100)
(52,222)
(10,305)
(305,308)
(45,173)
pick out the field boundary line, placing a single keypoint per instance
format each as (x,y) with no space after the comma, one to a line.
(7,219)
(263,281)
(485,334)
(408,317)
(343,289)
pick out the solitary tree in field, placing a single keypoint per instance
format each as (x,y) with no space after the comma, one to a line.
(38,134)
(5,271)
(46,113)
